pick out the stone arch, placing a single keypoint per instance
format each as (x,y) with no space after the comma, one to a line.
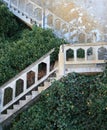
(64,29)
(102,53)
(38,14)
(14,2)
(19,87)
(90,54)
(42,70)
(8,95)
(69,54)
(57,24)
(80,53)
(89,38)
(29,9)
(90,51)
(30,78)
(50,20)
(82,37)
(21,4)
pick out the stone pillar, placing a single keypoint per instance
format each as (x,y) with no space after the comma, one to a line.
(48,64)
(86,55)
(95,53)
(75,55)
(36,73)
(61,62)
(25,81)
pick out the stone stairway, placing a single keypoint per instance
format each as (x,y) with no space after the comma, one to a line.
(31,12)
(33,84)
(10,108)
(28,98)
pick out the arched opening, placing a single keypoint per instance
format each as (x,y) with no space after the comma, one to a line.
(19,87)
(64,29)
(50,20)
(29,9)
(42,70)
(21,4)
(102,53)
(81,38)
(90,54)
(80,53)
(38,14)
(69,54)
(14,2)
(30,78)
(57,24)
(8,94)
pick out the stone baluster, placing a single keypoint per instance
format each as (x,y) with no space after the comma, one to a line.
(61,60)
(48,65)
(75,55)
(14,89)
(86,55)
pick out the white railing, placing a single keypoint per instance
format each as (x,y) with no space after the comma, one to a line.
(93,55)
(24,78)
(31,13)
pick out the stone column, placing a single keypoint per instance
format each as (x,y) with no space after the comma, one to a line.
(95,53)
(61,62)
(75,55)
(25,81)
(13,96)
(48,64)
(86,55)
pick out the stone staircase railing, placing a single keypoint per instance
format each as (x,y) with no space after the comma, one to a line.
(93,59)
(31,14)
(23,83)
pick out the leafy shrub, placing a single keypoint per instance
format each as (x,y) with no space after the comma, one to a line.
(74,103)
(16,56)
(8,24)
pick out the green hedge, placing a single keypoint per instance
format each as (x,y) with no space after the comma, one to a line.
(74,103)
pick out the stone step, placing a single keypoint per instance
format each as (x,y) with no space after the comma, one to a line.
(34,93)
(40,89)
(11,111)
(16,106)
(28,97)
(23,102)
(3,117)
(47,84)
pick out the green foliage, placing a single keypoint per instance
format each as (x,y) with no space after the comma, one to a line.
(20,46)
(8,25)
(32,45)
(74,103)
(80,53)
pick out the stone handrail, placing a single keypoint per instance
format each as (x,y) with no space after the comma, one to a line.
(12,84)
(93,56)
(19,8)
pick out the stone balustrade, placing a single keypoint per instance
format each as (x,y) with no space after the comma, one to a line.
(81,54)
(25,81)
(32,13)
